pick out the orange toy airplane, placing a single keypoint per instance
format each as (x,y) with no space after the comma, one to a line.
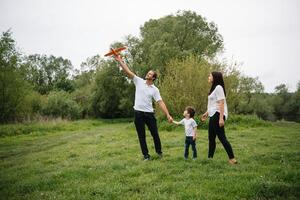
(115,52)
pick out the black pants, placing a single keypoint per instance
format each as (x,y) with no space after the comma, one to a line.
(140,119)
(189,141)
(215,130)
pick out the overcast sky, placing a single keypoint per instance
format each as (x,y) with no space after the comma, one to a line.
(263,35)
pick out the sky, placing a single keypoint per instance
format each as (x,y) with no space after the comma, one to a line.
(263,36)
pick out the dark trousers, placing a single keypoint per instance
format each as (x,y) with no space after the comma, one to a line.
(140,119)
(215,130)
(189,141)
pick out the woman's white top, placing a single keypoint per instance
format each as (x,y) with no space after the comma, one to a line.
(213,105)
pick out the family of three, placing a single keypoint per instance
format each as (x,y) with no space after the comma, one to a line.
(146,92)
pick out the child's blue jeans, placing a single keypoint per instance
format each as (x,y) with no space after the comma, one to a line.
(189,141)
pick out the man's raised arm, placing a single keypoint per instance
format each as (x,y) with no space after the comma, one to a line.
(125,68)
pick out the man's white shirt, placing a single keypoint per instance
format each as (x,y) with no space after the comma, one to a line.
(144,95)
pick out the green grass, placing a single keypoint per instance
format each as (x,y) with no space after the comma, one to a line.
(93,159)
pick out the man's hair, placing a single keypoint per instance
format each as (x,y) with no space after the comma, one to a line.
(154,75)
(190,110)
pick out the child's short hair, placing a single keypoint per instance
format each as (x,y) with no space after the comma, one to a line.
(190,110)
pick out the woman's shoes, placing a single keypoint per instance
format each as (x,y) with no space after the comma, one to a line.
(233,161)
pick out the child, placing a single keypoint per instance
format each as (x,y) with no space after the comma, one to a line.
(190,127)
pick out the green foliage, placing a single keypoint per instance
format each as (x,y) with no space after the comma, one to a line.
(286,105)
(13,87)
(83,93)
(47,73)
(246,121)
(185,84)
(113,93)
(60,104)
(178,36)
(181,47)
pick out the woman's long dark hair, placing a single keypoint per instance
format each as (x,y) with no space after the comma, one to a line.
(218,80)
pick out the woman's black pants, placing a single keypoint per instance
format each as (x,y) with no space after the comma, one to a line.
(215,130)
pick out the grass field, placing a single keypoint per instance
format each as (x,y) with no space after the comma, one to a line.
(100,159)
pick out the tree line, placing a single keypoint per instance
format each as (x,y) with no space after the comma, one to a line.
(181,47)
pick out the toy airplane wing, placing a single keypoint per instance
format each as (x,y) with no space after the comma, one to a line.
(115,52)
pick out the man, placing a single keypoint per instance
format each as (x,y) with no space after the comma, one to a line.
(145,91)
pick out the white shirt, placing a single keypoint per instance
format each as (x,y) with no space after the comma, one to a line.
(144,94)
(213,105)
(189,125)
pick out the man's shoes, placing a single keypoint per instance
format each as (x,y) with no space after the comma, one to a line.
(160,155)
(147,158)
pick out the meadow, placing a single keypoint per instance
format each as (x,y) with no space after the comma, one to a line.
(101,159)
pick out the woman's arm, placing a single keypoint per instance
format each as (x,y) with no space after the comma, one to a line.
(204,116)
(221,106)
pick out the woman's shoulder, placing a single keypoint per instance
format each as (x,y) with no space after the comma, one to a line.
(218,87)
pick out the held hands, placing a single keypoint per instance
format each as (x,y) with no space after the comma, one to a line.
(170,119)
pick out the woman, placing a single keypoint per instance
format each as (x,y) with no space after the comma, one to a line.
(218,113)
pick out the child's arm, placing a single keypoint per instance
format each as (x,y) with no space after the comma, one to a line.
(176,122)
(195,133)
(179,123)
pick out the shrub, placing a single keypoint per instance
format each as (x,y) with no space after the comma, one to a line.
(60,104)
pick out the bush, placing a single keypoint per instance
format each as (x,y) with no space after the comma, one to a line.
(246,121)
(113,93)
(60,104)
(185,84)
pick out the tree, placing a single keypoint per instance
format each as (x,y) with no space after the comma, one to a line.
(280,99)
(112,93)
(84,82)
(13,88)
(286,104)
(91,63)
(47,73)
(177,36)
(185,84)
(247,89)
(60,104)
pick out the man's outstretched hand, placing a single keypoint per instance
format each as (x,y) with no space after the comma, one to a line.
(118,58)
